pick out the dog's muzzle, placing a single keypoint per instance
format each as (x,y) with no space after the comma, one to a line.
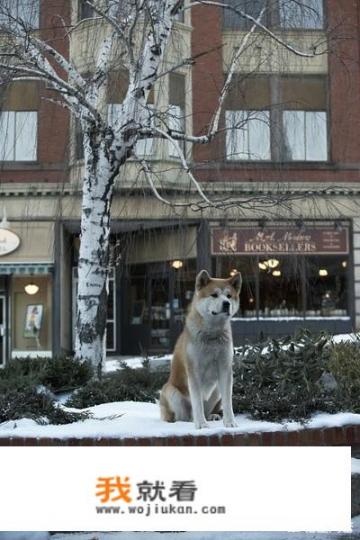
(226,307)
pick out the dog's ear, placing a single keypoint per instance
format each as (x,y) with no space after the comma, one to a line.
(236,282)
(202,279)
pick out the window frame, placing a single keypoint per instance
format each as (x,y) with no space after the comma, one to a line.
(277,110)
(273,20)
(14,150)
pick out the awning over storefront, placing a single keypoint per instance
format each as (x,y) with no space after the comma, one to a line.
(26,269)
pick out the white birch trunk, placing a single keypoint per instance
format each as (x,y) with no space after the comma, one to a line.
(94,254)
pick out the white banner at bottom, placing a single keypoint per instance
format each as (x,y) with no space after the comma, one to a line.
(175,489)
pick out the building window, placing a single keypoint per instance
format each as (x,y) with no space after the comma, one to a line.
(176,110)
(143,147)
(248,135)
(275,118)
(302,15)
(19,102)
(85,10)
(288,14)
(18,136)
(233,21)
(26,11)
(312,281)
(305,136)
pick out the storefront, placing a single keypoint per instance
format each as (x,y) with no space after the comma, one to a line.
(294,276)
(26,286)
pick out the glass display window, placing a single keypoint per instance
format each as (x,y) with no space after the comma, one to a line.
(326,286)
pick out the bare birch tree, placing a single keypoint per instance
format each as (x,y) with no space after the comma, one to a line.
(137,34)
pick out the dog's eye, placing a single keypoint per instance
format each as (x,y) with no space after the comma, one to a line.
(215,295)
(229,295)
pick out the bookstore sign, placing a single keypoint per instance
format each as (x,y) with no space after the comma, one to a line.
(279,240)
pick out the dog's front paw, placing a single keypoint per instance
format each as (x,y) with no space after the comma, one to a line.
(201,425)
(230,423)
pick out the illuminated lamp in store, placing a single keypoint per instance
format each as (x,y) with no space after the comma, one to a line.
(263,266)
(323,272)
(177,264)
(233,272)
(276,273)
(273,263)
(31,288)
(344,264)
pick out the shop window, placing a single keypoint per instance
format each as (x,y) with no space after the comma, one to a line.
(301,15)
(293,286)
(31,315)
(26,11)
(18,136)
(282,119)
(248,135)
(247,266)
(280,292)
(305,136)
(327,286)
(111,309)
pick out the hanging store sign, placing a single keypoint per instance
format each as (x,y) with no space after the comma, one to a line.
(279,240)
(9,242)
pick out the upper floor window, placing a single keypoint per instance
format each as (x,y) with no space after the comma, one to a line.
(18,138)
(248,135)
(85,10)
(176,111)
(280,120)
(287,14)
(19,121)
(307,14)
(236,22)
(26,11)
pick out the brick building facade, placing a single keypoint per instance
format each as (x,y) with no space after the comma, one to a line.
(288,150)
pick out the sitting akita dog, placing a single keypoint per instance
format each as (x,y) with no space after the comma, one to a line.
(200,381)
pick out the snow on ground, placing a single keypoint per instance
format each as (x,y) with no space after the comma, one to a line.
(136,419)
(186,536)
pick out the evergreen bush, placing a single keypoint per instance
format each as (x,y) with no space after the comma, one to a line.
(281,379)
(127,384)
(344,365)
(32,402)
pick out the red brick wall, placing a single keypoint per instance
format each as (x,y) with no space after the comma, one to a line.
(344,91)
(53,120)
(336,436)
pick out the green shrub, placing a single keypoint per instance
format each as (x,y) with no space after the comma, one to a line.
(127,384)
(35,404)
(281,378)
(59,374)
(344,365)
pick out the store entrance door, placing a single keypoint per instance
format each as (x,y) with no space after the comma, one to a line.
(159,312)
(3,331)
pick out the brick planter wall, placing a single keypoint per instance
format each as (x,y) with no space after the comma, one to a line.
(335,436)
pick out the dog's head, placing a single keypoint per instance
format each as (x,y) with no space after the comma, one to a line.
(217,299)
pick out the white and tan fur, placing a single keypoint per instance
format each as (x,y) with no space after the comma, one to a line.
(201,379)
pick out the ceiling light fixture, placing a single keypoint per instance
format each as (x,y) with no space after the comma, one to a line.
(31,288)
